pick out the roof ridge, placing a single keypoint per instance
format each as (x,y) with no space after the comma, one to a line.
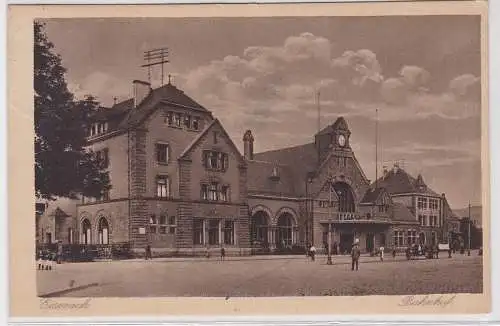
(284,148)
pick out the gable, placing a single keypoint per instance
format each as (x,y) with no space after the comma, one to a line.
(214,136)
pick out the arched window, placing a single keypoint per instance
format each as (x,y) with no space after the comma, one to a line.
(345,196)
(86,232)
(260,227)
(285,230)
(103,231)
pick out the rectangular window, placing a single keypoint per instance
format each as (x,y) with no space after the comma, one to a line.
(177,119)
(171,225)
(153,224)
(398,238)
(163,224)
(187,121)
(215,137)
(162,153)
(204,192)
(198,236)
(215,160)
(229,232)
(412,237)
(196,124)
(433,204)
(212,191)
(224,193)
(105,194)
(162,186)
(169,118)
(213,232)
(422,203)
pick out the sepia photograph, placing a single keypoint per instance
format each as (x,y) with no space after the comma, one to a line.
(261,156)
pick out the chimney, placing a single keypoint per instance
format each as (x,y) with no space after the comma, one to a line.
(141,91)
(248,145)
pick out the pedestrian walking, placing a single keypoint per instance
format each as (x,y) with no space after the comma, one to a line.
(207,253)
(148,252)
(355,253)
(394,253)
(312,251)
(222,254)
(382,253)
(59,251)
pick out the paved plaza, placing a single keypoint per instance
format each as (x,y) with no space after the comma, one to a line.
(263,276)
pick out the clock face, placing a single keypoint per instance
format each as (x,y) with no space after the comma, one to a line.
(341,140)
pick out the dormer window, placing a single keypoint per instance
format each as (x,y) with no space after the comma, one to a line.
(196,123)
(187,121)
(275,174)
(177,119)
(98,128)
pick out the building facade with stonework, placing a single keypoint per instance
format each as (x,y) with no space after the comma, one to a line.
(317,193)
(179,184)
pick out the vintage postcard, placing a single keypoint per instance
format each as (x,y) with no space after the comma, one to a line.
(249,159)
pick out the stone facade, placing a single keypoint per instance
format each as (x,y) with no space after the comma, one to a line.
(179,184)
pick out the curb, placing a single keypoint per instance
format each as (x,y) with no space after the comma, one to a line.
(61,292)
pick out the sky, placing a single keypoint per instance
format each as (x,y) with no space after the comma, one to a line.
(422,74)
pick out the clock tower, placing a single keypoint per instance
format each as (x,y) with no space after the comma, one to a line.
(340,135)
(335,136)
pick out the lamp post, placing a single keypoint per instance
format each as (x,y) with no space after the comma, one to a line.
(468,237)
(309,227)
(329,258)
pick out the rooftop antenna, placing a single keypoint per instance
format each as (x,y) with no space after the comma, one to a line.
(153,58)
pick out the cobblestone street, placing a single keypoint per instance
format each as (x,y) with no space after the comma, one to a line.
(270,276)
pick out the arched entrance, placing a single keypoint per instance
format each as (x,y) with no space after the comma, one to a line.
(345,197)
(285,232)
(259,229)
(421,238)
(103,231)
(86,232)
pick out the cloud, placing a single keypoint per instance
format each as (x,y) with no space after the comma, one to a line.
(466,87)
(102,86)
(415,78)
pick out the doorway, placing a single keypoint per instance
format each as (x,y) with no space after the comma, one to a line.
(346,241)
(370,242)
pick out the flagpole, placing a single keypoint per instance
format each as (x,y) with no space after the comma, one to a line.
(376,148)
(468,238)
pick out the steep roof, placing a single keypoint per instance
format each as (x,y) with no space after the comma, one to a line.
(402,213)
(339,124)
(204,132)
(398,181)
(168,94)
(129,116)
(372,195)
(260,179)
(299,161)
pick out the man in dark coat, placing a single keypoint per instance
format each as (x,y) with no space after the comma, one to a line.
(355,253)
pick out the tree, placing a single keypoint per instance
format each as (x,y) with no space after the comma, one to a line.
(63,165)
